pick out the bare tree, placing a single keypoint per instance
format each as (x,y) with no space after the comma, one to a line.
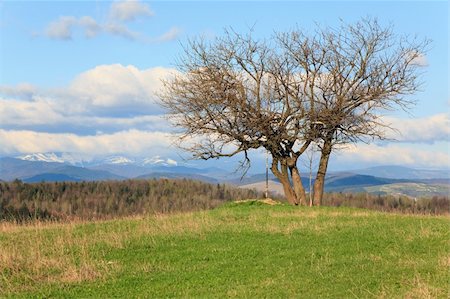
(236,94)
(349,75)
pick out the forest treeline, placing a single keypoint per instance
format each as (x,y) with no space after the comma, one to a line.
(107,199)
(389,203)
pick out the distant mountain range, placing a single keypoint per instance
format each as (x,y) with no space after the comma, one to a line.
(77,160)
(401,172)
(68,167)
(54,167)
(33,171)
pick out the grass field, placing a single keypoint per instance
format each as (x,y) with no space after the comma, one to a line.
(239,250)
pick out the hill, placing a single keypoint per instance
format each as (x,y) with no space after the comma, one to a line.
(240,250)
(128,171)
(410,189)
(155,171)
(51,177)
(12,168)
(401,172)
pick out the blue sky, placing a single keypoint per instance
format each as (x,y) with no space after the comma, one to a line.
(80,76)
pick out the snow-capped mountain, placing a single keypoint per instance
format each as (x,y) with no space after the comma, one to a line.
(142,162)
(158,160)
(84,161)
(66,158)
(44,157)
(118,160)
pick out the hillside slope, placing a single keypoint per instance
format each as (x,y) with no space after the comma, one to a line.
(240,250)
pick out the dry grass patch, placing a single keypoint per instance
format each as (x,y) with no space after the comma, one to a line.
(422,290)
(304,214)
(445,263)
(45,252)
(178,224)
(37,258)
(267,201)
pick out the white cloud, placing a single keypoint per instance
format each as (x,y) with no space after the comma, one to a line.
(172,34)
(121,30)
(64,27)
(37,112)
(129,10)
(61,28)
(427,129)
(22,90)
(118,85)
(393,154)
(91,28)
(132,142)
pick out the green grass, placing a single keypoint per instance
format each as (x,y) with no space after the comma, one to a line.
(239,250)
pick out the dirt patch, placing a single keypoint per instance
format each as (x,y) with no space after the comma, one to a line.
(267,201)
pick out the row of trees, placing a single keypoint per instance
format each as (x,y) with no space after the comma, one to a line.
(435,205)
(287,93)
(107,199)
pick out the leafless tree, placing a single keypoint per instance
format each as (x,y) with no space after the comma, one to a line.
(349,75)
(236,94)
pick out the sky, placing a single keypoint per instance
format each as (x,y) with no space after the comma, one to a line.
(81,76)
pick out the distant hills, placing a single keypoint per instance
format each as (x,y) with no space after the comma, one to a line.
(401,172)
(355,183)
(65,167)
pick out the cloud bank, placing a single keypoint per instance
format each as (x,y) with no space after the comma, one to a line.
(420,130)
(131,142)
(394,154)
(107,98)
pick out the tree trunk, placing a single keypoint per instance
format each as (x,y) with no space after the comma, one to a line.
(288,191)
(298,185)
(321,172)
(283,176)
